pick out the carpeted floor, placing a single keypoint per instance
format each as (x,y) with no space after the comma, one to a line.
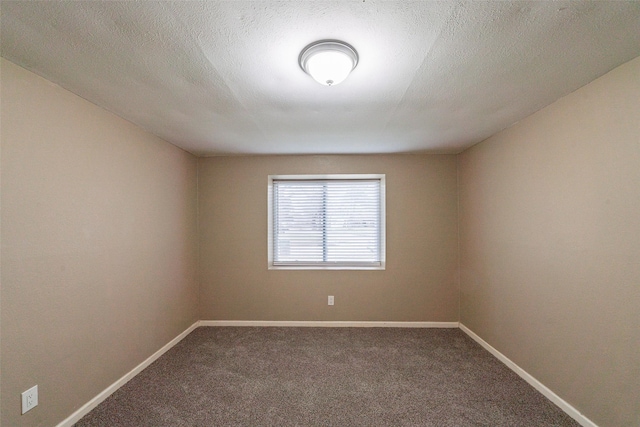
(245,376)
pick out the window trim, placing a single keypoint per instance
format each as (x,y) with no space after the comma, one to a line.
(355,265)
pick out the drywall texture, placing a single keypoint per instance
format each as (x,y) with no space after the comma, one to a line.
(550,245)
(98,247)
(419,283)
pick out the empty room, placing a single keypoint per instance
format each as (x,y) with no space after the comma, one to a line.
(319,213)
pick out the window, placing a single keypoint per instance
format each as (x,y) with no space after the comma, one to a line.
(327,222)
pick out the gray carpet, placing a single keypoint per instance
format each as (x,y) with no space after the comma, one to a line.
(225,376)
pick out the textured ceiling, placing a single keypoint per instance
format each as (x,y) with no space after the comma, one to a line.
(222,77)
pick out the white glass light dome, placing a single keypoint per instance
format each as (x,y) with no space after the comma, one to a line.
(329,62)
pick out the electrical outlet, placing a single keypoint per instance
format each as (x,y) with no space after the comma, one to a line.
(30,399)
(330,301)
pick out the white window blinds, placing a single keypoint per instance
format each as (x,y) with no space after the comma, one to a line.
(328,222)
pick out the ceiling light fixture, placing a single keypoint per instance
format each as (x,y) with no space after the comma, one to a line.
(329,62)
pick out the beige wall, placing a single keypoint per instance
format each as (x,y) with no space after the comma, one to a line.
(550,245)
(419,283)
(99,248)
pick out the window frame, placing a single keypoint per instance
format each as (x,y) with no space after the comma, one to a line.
(315,266)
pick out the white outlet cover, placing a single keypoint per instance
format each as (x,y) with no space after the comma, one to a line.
(330,300)
(30,399)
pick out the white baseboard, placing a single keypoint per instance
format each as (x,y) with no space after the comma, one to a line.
(328,324)
(561,403)
(87,407)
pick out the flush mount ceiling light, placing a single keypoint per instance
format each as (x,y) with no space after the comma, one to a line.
(329,62)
